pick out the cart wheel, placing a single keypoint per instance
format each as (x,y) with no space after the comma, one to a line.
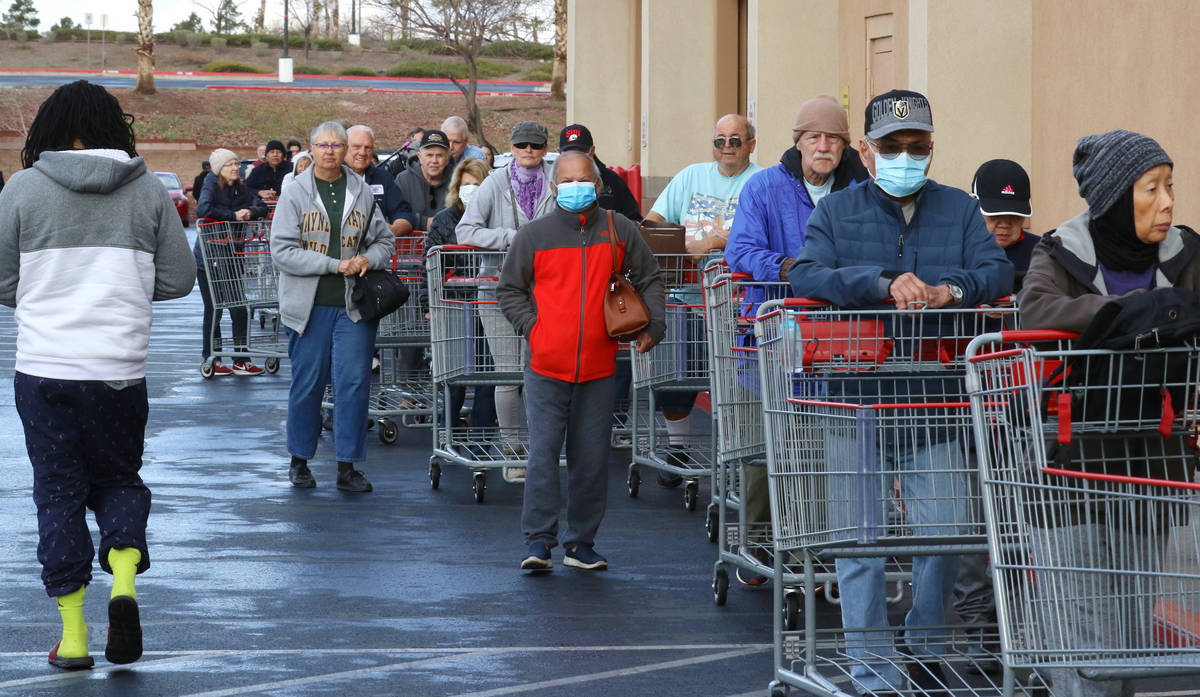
(435,473)
(720,585)
(327,420)
(633,482)
(206,369)
(388,431)
(791,611)
(691,492)
(712,522)
(271,365)
(778,692)
(275,324)
(480,485)
(262,321)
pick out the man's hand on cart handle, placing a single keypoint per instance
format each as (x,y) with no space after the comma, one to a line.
(643,343)
(908,290)
(242,214)
(354,266)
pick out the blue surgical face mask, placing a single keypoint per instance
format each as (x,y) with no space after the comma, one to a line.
(576,196)
(900,176)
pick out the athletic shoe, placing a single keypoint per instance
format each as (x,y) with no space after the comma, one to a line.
(246,368)
(301,476)
(124,631)
(538,558)
(78,663)
(584,557)
(220,369)
(353,481)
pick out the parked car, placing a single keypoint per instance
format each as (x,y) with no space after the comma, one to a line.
(175,189)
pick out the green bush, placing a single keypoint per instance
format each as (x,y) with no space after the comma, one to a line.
(232,67)
(444,69)
(181,37)
(260,48)
(430,46)
(542,73)
(218,43)
(61,34)
(327,44)
(309,70)
(357,70)
(518,49)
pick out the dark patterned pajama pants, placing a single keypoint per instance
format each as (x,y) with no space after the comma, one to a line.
(85,441)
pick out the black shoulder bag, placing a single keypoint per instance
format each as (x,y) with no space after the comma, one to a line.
(378,292)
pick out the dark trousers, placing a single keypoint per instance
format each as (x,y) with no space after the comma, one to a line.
(238,316)
(85,442)
(581,414)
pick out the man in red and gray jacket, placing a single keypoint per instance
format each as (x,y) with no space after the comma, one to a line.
(552,291)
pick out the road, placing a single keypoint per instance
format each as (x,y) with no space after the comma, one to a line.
(165,80)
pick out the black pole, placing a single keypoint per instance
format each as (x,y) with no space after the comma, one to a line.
(353,30)
(285,28)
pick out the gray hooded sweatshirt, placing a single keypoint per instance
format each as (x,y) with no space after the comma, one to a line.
(88,238)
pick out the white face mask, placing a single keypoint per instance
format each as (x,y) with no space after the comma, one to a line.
(465,192)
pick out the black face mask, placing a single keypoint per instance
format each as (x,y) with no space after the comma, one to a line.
(1115,238)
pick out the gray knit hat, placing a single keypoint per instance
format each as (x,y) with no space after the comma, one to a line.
(1106,165)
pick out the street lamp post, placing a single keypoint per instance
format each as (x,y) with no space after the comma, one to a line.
(285,63)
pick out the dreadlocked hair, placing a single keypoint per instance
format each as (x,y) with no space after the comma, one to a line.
(79,111)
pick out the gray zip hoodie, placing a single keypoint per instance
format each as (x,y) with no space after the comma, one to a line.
(300,231)
(88,238)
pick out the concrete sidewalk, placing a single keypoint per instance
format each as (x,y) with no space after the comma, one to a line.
(260,589)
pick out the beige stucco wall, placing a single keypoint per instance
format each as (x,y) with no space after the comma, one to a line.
(978,76)
(1120,64)
(792,55)
(602,76)
(688,79)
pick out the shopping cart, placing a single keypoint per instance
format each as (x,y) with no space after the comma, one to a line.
(868,435)
(1087,461)
(401,391)
(237,263)
(462,283)
(677,365)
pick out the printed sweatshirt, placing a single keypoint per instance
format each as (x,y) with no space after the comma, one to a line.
(88,238)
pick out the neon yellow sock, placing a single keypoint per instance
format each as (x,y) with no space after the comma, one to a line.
(124,564)
(74,633)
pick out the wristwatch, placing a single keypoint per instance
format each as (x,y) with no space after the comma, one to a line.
(955,292)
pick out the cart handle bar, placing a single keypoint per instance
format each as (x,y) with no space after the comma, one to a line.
(812,302)
(1121,479)
(1016,335)
(880,407)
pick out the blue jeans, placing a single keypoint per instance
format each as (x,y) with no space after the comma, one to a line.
(934,486)
(331,347)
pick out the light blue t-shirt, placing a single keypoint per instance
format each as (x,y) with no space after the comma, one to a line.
(702,200)
(816,193)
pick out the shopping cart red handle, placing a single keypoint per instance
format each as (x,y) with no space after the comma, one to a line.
(1022,335)
(1121,479)
(463,247)
(804,302)
(739,276)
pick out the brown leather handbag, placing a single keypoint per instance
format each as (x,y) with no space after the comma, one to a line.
(625,313)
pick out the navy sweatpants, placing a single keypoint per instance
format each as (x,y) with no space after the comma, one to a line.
(85,442)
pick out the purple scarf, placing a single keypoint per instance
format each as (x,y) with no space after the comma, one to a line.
(527,185)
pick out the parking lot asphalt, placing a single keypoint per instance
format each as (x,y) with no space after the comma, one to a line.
(257,588)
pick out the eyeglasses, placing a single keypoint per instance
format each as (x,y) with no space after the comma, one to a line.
(528,146)
(329,146)
(890,149)
(734,142)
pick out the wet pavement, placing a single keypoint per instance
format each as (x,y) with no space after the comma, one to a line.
(257,588)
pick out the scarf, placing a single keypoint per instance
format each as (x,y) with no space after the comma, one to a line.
(527,185)
(1115,239)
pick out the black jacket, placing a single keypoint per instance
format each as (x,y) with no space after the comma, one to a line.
(426,200)
(264,177)
(615,194)
(442,230)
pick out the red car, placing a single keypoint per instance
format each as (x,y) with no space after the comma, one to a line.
(175,189)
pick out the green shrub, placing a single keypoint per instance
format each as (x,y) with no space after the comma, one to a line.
(445,69)
(430,46)
(327,44)
(61,34)
(357,70)
(309,70)
(542,73)
(220,66)
(218,44)
(518,49)
(260,48)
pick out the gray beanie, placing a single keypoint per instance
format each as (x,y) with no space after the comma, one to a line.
(220,157)
(1106,165)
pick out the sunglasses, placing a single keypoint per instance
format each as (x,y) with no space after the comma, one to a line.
(734,142)
(890,149)
(528,146)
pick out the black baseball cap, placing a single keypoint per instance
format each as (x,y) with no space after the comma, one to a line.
(434,138)
(575,137)
(1002,187)
(897,110)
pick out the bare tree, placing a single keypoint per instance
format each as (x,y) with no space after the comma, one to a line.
(145,49)
(261,18)
(226,14)
(462,26)
(305,14)
(558,74)
(337,22)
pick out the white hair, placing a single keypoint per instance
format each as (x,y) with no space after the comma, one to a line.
(454,123)
(361,128)
(333,128)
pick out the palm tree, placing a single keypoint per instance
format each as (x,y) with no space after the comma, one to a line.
(145,49)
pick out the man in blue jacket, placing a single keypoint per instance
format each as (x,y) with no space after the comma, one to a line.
(906,238)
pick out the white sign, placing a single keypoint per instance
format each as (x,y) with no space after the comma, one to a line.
(104,21)
(87,18)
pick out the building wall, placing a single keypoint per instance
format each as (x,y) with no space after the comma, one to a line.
(1121,64)
(792,55)
(603,89)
